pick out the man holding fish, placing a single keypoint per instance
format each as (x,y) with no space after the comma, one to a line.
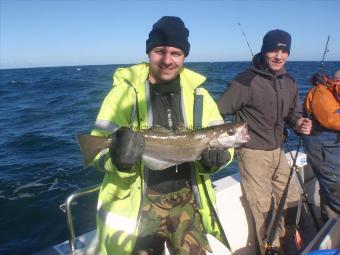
(157,187)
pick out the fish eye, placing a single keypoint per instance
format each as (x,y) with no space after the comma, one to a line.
(231,131)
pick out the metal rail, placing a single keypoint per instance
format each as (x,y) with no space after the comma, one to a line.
(66,208)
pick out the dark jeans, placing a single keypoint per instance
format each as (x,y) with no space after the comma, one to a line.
(323,155)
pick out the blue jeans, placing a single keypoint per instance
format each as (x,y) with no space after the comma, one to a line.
(323,155)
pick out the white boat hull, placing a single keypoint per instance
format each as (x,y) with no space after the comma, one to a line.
(233,212)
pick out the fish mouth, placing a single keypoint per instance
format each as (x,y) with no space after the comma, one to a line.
(243,135)
(240,137)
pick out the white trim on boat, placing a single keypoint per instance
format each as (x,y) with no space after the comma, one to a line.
(233,213)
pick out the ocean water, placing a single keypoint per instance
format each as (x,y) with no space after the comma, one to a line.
(41,111)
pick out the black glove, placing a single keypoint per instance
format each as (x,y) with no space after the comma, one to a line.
(214,157)
(126,148)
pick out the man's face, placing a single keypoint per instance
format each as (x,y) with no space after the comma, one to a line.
(337,81)
(276,59)
(165,63)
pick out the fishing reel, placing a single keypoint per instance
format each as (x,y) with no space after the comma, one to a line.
(271,249)
(318,78)
(273,252)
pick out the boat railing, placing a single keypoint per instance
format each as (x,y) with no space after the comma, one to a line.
(67,209)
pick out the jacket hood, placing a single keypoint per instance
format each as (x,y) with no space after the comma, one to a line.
(133,75)
(260,66)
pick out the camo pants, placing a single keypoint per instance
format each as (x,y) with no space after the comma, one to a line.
(172,218)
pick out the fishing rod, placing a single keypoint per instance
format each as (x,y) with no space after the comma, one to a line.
(271,231)
(304,193)
(245,38)
(324,55)
(319,77)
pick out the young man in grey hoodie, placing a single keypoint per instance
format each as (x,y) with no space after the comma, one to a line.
(265,96)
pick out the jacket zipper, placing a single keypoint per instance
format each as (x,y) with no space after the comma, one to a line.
(277,111)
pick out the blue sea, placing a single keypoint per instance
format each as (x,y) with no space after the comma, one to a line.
(41,111)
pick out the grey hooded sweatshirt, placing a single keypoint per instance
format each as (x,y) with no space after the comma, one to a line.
(264,100)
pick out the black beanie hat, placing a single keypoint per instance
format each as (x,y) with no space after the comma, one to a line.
(169,31)
(276,39)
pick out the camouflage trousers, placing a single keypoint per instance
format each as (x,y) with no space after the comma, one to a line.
(172,218)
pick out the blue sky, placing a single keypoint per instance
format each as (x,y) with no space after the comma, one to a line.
(88,32)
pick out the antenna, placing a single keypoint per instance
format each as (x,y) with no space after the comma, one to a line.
(245,38)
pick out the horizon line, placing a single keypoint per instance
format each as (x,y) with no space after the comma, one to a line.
(127,64)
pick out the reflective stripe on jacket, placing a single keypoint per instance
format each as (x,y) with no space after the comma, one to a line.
(121,195)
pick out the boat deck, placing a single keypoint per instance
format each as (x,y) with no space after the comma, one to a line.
(236,219)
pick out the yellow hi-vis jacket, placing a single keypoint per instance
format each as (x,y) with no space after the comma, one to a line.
(122,193)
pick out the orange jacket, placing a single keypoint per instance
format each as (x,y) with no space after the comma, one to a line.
(324,106)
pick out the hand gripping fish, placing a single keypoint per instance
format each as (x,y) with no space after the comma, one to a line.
(164,148)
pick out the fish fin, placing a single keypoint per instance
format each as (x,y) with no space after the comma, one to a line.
(183,128)
(91,145)
(156,164)
(160,129)
(164,130)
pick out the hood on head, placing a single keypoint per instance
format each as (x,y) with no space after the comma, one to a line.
(259,65)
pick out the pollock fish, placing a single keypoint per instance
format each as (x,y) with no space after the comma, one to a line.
(164,148)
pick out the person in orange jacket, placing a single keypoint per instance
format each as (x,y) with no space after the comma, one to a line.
(322,147)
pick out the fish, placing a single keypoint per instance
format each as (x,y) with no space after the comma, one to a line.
(164,148)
